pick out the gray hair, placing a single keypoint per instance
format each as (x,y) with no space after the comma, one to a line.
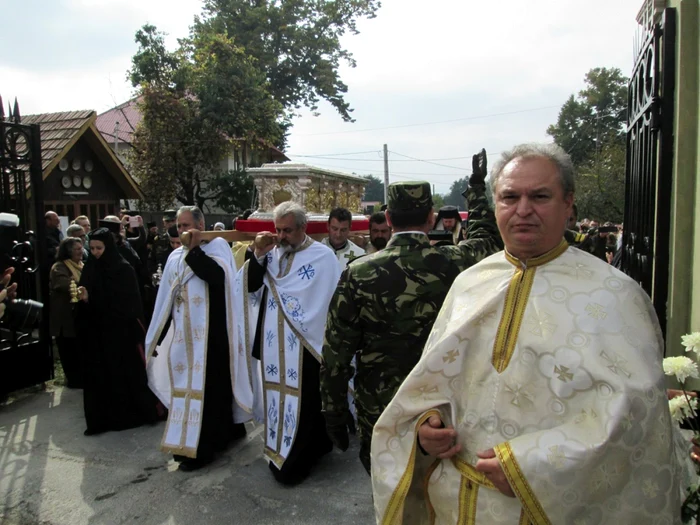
(290,208)
(74,228)
(197,215)
(551,152)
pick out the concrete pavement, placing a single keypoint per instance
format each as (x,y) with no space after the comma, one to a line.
(50,474)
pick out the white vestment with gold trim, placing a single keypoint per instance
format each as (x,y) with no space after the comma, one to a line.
(299,289)
(177,371)
(556,366)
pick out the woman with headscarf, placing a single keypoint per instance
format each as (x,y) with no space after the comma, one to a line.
(66,270)
(116,393)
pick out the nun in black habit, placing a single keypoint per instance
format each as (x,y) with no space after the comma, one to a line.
(116,393)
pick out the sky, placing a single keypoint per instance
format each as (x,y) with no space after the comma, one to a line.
(435,81)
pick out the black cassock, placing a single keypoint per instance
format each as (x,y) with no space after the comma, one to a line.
(311,441)
(218,428)
(111,333)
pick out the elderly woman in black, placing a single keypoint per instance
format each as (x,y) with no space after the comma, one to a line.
(66,270)
(116,393)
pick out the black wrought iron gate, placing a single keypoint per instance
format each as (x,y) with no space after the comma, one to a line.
(650,161)
(25,354)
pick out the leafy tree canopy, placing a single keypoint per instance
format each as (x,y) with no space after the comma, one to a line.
(596,116)
(591,127)
(295,44)
(245,69)
(455,197)
(374,191)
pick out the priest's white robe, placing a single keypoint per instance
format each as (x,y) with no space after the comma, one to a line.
(300,286)
(177,371)
(346,254)
(556,365)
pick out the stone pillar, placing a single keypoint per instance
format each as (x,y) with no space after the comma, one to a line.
(259,187)
(304,184)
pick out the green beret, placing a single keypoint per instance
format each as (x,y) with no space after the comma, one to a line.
(408,196)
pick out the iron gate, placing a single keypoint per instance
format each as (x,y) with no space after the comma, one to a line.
(26,356)
(650,161)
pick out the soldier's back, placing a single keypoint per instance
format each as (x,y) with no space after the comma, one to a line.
(398,292)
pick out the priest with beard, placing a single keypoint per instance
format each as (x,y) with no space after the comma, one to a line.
(282,295)
(449,220)
(379,232)
(193,370)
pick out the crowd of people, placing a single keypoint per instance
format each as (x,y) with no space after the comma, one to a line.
(509,360)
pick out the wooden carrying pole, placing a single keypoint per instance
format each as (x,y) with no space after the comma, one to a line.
(239,236)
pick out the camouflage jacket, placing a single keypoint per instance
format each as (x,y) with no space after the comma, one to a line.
(384,308)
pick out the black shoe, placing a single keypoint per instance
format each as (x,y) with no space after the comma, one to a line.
(190,464)
(289,478)
(179,459)
(94,431)
(239,431)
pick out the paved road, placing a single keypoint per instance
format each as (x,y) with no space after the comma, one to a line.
(50,474)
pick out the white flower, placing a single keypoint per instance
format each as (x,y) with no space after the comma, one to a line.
(691,342)
(680,366)
(680,409)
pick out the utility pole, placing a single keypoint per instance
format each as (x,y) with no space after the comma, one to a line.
(386,175)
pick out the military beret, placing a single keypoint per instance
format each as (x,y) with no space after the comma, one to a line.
(406,196)
(150,224)
(170,215)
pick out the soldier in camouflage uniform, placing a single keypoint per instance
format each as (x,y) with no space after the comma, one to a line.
(161,243)
(386,303)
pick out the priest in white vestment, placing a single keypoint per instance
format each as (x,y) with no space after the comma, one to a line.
(191,366)
(282,296)
(539,397)
(339,224)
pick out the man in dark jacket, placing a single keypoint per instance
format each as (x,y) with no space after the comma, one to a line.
(54,235)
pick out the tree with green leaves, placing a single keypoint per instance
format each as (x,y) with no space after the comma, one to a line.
(174,152)
(438,201)
(591,128)
(600,184)
(374,191)
(295,44)
(455,197)
(246,69)
(191,101)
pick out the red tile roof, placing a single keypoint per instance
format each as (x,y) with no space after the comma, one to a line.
(128,116)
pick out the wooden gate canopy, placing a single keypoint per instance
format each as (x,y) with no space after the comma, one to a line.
(82,175)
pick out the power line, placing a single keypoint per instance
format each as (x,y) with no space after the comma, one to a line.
(430,123)
(430,162)
(331,157)
(318,155)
